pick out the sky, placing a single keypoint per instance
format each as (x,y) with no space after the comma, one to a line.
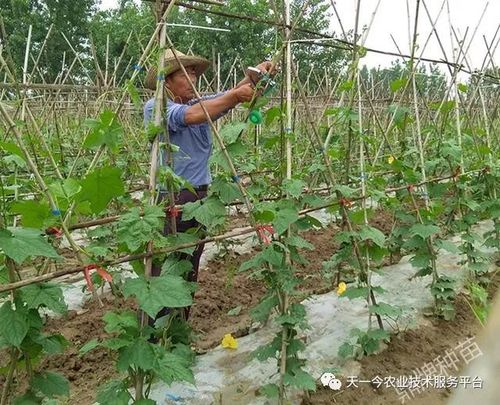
(392,18)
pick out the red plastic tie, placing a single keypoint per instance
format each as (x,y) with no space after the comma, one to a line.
(410,188)
(173,211)
(261,231)
(54,231)
(100,271)
(345,202)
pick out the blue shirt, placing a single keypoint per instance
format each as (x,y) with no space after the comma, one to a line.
(194,141)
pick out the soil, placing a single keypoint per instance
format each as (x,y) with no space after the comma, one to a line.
(407,352)
(222,289)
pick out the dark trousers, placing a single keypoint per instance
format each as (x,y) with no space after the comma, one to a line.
(181,198)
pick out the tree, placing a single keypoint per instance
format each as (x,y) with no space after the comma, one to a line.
(69,17)
(129,19)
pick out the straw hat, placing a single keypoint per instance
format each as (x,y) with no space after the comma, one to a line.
(172,66)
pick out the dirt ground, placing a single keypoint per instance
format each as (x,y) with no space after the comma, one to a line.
(405,353)
(220,290)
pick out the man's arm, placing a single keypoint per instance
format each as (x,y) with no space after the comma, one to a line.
(216,106)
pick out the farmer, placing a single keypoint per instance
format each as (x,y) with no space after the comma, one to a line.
(190,132)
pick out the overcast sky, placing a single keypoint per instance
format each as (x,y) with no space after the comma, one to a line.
(392,18)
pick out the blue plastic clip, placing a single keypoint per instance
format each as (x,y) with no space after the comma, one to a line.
(138,67)
(288,129)
(173,397)
(56,212)
(236,178)
(363,176)
(161,76)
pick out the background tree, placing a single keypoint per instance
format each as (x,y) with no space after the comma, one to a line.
(69,17)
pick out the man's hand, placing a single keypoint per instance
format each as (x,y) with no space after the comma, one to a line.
(243,93)
(196,115)
(267,67)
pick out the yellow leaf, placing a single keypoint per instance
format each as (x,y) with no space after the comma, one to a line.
(229,342)
(341,288)
(391,159)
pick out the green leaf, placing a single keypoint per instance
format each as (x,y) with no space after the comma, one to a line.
(52,344)
(176,267)
(105,132)
(181,239)
(398,84)
(463,87)
(158,292)
(134,94)
(355,292)
(116,343)
(209,212)
(284,218)
(382,309)
(293,187)
(140,354)
(272,114)
(30,398)
(448,246)
(21,243)
(12,148)
(262,310)
(66,189)
(87,347)
(136,230)
(100,187)
(113,392)
(17,328)
(344,190)
(145,402)
(301,380)
(370,233)
(270,350)
(296,315)
(230,132)
(299,242)
(346,86)
(234,311)
(424,231)
(33,213)
(269,390)
(120,322)
(346,350)
(44,295)
(228,192)
(172,367)
(50,384)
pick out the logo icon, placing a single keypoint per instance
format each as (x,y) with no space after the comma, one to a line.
(329,379)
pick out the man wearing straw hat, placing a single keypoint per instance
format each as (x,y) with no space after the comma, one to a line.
(189,130)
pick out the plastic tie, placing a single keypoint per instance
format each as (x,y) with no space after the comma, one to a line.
(236,179)
(173,212)
(56,212)
(263,236)
(345,202)
(100,271)
(54,231)
(138,67)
